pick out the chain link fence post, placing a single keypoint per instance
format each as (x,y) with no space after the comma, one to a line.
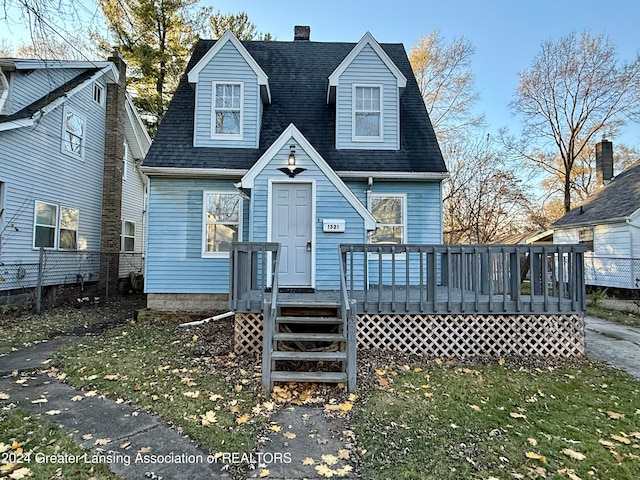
(39,281)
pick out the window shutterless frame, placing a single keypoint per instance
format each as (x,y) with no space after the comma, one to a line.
(221,222)
(366,106)
(227,110)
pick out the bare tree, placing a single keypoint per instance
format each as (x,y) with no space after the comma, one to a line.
(446,82)
(575,89)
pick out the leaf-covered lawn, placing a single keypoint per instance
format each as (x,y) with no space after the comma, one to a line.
(27,443)
(157,366)
(500,422)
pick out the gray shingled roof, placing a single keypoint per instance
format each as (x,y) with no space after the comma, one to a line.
(619,199)
(298,78)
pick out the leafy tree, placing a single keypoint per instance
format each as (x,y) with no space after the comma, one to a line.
(575,89)
(155,37)
(238,23)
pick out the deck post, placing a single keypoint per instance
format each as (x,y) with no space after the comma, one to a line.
(267,343)
(352,342)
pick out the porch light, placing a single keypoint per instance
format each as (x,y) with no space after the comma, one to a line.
(291,161)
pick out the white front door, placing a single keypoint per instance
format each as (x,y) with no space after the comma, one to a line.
(291,218)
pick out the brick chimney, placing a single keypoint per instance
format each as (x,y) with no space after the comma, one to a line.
(112,176)
(301,33)
(604,162)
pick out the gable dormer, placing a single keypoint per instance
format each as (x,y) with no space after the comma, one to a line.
(231,90)
(366,89)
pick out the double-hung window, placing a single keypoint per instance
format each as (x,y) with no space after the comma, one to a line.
(55,226)
(221,223)
(367,113)
(389,210)
(128,236)
(227,110)
(73,133)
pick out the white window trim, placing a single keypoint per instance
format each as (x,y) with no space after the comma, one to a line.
(60,207)
(224,136)
(125,162)
(97,86)
(123,236)
(35,225)
(354,137)
(64,133)
(403,196)
(204,252)
(4,93)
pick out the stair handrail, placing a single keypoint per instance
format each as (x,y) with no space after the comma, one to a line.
(270,310)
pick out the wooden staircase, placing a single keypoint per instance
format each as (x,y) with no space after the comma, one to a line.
(310,342)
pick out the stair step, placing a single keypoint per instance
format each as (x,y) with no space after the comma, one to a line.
(285,302)
(326,377)
(311,320)
(309,337)
(310,356)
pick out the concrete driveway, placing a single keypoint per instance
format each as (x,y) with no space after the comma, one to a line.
(617,345)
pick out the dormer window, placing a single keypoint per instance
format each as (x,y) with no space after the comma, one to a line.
(367,113)
(227,110)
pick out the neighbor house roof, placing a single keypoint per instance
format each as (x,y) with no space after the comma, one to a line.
(614,202)
(298,74)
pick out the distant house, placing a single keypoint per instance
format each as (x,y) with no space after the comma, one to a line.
(309,144)
(608,224)
(70,147)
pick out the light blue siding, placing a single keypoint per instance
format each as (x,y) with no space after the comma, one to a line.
(34,167)
(367,68)
(174,245)
(227,66)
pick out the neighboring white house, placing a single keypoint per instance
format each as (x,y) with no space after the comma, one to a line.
(608,224)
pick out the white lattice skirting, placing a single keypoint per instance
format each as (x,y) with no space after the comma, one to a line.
(450,335)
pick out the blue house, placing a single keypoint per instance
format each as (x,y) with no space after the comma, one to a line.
(70,147)
(299,185)
(309,144)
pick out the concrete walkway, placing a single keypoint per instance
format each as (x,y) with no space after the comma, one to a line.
(615,344)
(130,437)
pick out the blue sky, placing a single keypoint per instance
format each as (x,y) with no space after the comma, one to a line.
(506,34)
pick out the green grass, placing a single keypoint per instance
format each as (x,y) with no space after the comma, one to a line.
(623,318)
(160,368)
(477,422)
(32,440)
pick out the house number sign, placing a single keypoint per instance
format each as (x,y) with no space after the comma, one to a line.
(333,225)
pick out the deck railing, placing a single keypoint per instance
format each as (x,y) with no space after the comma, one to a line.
(507,279)
(252,269)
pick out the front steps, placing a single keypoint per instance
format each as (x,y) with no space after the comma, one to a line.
(307,343)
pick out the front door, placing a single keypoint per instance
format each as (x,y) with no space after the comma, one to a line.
(292,222)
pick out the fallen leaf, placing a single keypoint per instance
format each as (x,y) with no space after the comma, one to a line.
(501,361)
(275,428)
(193,394)
(321,441)
(90,393)
(606,443)
(615,415)
(238,388)
(289,435)
(264,473)
(112,377)
(383,382)
(4,396)
(573,454)
(77,398)
(20,473)
(343,454)
(324,470)
(209,418)
(243,419)
(517,415)
(53,412)
(40,400)
(536,456)
(533,442)
(145,450)
(475,407)
(308,461)
(215,397)
(102,441)
(87,436)
(621,439)
(330,459)
(344,470)
(125,445)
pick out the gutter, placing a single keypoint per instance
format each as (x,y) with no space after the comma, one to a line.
(192,172)
(364,175)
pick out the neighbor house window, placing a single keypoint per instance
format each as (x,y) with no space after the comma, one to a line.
(389,210)
(46,222)
(128,236)
(227,109)
(55,226)
(98,94)
(585,237)
(73,133)
(125,161)
(68,238)
(222,214)
(367,113)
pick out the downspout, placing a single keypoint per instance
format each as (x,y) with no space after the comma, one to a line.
(368,199)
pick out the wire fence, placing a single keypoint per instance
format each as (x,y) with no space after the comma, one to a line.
(64,275)
(612,272)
